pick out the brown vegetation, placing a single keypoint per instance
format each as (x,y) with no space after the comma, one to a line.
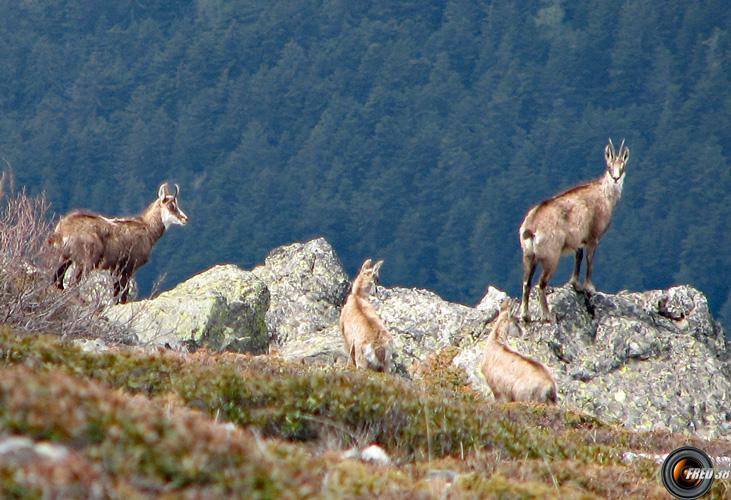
(26,300)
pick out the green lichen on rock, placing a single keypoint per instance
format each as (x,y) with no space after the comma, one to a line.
(222,308)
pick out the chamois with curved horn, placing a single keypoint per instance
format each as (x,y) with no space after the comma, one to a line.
(569,223)
(367,341)
(511,375)
(120,245)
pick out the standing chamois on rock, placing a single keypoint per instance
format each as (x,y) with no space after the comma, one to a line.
(120,245)
(510,375)
(570,222)
(367,341)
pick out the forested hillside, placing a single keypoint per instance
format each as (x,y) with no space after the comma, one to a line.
(419,132)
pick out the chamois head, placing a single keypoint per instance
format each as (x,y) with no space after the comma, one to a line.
(170,211)
(367,279)
(616,161)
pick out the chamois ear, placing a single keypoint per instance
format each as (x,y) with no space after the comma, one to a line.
(505,305)
(162,192)
(625,154)
(377,267)
(366,265)
(608,151)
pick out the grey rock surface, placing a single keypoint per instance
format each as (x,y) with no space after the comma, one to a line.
(421,322)
(222,308)
(308,285)
(650,360)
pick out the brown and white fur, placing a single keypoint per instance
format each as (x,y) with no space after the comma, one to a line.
(367,341)
(568,223)
(120,245)
(510,375)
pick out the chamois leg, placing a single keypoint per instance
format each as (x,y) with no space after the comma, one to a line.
(60,273)
(548,269)
(574,281)
(80,272)
(351,355)
(588,285)
(529,267)
(123,285)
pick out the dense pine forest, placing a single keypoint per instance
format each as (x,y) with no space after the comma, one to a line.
(419,132)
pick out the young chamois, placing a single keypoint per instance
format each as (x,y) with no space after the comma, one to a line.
(120,245)
(570,222)
(367,341)
(510,375)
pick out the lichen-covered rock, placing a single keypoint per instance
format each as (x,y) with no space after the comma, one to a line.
(221,308)
(325,348)
(308,285)
(651,360)
(421,322)
(491,301)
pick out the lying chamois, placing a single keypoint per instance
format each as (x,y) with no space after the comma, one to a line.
(120,245)
(570,222)
(367,341)
(510,375)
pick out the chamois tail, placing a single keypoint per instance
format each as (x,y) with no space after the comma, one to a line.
(527,239)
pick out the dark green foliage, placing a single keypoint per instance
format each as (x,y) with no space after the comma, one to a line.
(420,132)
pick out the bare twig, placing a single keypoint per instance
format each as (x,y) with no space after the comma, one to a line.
(28,299)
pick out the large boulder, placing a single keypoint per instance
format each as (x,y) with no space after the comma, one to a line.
(221,308)
(650,360)
(421,322)
(308,285)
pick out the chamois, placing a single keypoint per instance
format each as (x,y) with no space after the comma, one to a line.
(569,222)
(367,341)
(510,375)
(120,245)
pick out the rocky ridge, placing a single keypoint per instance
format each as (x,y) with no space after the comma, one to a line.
(650,360)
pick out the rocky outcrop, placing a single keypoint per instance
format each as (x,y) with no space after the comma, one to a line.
(421,323)
(307,285)
(650,360)
(221,308)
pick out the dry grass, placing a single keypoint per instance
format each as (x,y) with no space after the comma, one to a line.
(28,299)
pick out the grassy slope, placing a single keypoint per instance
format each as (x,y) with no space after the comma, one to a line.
(155,425)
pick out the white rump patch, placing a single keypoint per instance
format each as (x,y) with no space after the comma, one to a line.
(375,454)
(370,355)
